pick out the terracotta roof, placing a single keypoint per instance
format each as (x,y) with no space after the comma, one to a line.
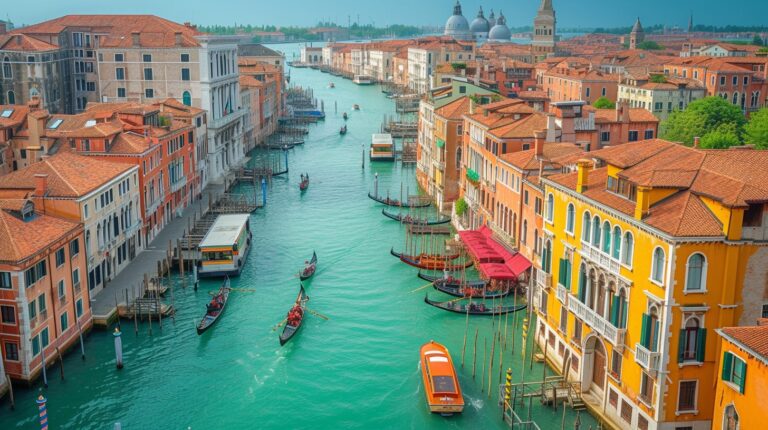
(178,108)
(455,109)
(684,215)
(69,174)
(17,117)
(22,239)
(624,156)
(527,160)
(522,128)
(130,143)
(755,338)
(24,43)
(612,115)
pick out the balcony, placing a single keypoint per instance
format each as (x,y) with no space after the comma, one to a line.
(179,184)
(489,185)
(600,258)
(152,207)
(647,359)
(597,323)
(507,239)
(562,294)
(226,119)
(543,279)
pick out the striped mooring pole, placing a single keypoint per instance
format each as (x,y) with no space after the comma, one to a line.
(507,392)
(42,411)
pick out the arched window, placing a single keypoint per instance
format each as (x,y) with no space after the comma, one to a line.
(99,237)
(546,257)
(570,218)
(7,72)
(735,99)
(696,273)
(585,230)
(653,329)
(621,310)
(730,418)
(458,158)
(606,237)
(627,249)
(657,266)
(550,207)
(186,98)
(524,233)
(616,243)
(582,291)
(11,98)
(690,340)
(596,231)
(87,242)
(536,240)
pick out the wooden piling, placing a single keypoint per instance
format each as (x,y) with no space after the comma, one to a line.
(474,354)
(464,348)
(490,365)
(61,361)
(485,355)
(181,257)
(135,313)
(117,310)
(10,391)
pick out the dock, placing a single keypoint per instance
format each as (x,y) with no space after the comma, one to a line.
(444,230)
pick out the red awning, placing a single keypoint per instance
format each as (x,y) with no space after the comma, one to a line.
(497,271)
(518,264)
(496,261)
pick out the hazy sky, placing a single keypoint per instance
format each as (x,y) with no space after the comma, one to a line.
(570,13)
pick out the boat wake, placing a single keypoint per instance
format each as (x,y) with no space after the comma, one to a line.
(476,403)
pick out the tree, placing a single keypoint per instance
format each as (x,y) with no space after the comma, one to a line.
(604,103)
(722,137)
(702,117)
(756,130)
(461,206)
(757,41)
(658,79)
(649,45)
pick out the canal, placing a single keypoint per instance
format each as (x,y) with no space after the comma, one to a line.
(358,369)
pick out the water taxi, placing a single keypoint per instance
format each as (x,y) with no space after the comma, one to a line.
(382,147)
(363,80)
(225,247)
(440,382)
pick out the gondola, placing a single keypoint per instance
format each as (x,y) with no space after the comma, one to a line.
(355,107)
(345,116)
(430,262)
(343,130)
(469,292)
(474,309)
(410,220)
(397,203)
(292,325)
(213,313)
(479,283)
(309,270)
(304,184)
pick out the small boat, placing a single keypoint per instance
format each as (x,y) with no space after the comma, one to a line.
(356,106)
(331,85)
(343,130)
(430,262)
(295,317)
(407,219)
(473,308)
(441,385)
(451,281)
(397,203)
(215,308)
(345,116)
(469,292)
(309,268)
(304,184)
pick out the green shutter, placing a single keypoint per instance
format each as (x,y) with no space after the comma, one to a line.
(568,275)
(701,345)
(655,344)
(582,282)
(561,272)
(681,347)
(743,377)
(727,363)
(624,314)
(615,311)
(644,334)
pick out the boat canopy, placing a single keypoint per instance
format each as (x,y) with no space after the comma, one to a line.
(495,260)
(225,231)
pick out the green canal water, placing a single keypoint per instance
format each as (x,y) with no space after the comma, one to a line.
(359,369)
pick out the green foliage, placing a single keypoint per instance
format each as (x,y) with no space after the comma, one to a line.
(724,136)
(461,206)
(604,103)
(163,121)
(702,117)
(458,66)
(649,45)
(763,49)
(658,79)
(756,130)
(757,40)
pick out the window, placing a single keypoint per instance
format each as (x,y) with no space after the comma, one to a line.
(616,364)
(735,80)
(722,80)
(525,197)
(7,314)
(585,227)
(76,277)
(186,98)
(147,58)
(185,58)
(646,388)
(44,338)
(60,257)
(605,136)
(649,331)
(696,273)
(606,237)
(41,307)
(616,243)
(730,418)
(587,92)
(570,218)
(64,321)
(11,98)
(120,73)
(11,351)
(734,370)
(185,74)
(121,93)
(5,280)
(627,249)
(633,136)
(79,307)
(35,346)
(657,265)
(563,319)
(524,234)
(626,411)
(62,291)
(550,213)
(765,311)
(642,422)
(7,72)
(648,134)
(149,93)
(119,58)
(596,231)
(147,73)
(692,342)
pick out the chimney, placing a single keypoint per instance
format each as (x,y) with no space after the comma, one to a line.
(135,37)
(3,28)
(41,184)
(539,136)
(643,205)
(696,141)
(178,38)
(622,111)
(551,128)
(582,167)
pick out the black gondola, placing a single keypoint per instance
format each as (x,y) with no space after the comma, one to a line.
(343,130)
(292,325)
(345,116)
(479,283)
(474,309)
(309,270)
(215,308)
(397,203)
(410,220)
(457,290)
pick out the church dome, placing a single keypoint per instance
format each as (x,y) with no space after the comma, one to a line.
(480,24)
(457,26)
(500,31)
(491,19)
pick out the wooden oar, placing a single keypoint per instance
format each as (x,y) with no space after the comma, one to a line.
(280,324)
(425,286)
(317,314)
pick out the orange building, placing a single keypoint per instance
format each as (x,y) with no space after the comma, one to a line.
(577,79)
(43,305)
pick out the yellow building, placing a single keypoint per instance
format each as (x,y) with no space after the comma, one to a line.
(742,378)
(647,247)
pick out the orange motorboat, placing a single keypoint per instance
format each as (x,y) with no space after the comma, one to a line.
(440,382)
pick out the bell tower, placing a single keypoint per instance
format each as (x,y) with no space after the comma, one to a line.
(544,30)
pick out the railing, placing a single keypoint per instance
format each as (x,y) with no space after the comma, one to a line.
(152,207)
(179,184)
(543,279)
(598,323)
(600,258)
(505,237)
(226,119)
(647,359)
(581,124)
(562,294)
(491,185)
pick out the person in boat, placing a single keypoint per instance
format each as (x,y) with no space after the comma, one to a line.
(481,307)
(307,267)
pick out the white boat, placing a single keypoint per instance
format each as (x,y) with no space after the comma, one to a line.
(363,80)
(225,247)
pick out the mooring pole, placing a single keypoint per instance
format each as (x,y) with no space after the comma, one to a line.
(118,348)
(264,188)
(42,410)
